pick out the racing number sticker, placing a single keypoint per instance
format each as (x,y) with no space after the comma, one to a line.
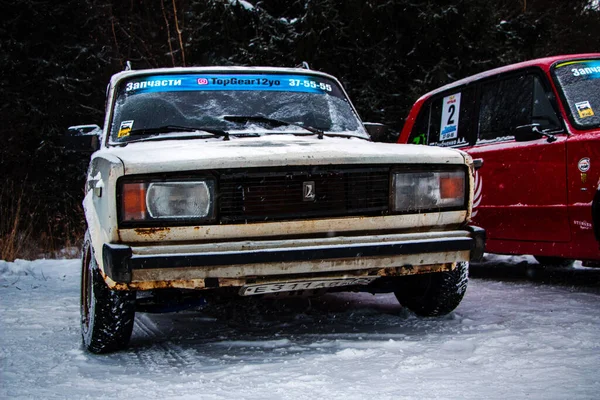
(450,113)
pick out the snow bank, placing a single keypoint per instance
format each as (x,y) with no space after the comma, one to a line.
(506,340)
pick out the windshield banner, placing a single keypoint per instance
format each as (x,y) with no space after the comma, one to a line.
(201,82)
(583,68)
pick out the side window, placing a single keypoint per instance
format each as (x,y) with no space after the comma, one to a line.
(508,103)
(505,104)
(446,120)
(420,130)
(451,118)
(543,112)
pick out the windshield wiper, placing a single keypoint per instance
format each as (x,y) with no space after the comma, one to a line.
(166,129)
(179,128)
(273,122)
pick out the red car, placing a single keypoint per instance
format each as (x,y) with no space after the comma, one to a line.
(534,128)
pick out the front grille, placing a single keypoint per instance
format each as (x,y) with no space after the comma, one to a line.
(276,195)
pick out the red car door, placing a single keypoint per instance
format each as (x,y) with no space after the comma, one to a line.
(522,188)
(522,183)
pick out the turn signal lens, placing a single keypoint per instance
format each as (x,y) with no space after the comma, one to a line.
(452,187)
(134,201)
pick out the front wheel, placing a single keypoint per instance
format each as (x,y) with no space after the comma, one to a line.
(434,294)
(106,315)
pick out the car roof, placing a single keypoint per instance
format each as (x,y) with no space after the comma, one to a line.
(544,63)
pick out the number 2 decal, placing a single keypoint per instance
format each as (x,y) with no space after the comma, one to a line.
(450,114)
(451,109)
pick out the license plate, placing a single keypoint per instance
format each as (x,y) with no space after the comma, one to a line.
(266,288)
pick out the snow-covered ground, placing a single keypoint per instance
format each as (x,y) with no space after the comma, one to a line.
(507,340)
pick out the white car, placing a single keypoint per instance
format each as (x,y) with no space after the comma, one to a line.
(250,181)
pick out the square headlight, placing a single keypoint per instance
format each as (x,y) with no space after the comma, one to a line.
(191,200)
(168,201)
(427,190)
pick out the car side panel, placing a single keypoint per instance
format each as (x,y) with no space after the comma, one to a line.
(523,186)
(583,171)
(99,203)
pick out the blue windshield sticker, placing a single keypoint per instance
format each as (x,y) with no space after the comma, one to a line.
(583,68)
(589,69)
(205,82)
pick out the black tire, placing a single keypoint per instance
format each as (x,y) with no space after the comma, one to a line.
(554,261)
(435,294)
(106,315)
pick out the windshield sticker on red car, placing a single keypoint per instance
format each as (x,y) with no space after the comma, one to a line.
(125,128)
(584,109)
(206,82)
(585,71)
(450,113)
(582,67)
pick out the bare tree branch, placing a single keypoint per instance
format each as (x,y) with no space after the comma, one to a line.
(162,6)
(179,31)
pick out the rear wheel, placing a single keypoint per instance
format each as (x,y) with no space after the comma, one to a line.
(434,294)
(106,315)
(554,261)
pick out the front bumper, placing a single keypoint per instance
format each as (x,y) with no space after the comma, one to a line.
(140,265)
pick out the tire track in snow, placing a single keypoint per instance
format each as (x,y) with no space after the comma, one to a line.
(162,352)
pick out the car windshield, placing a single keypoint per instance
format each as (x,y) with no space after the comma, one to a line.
(148,107)
(579,82)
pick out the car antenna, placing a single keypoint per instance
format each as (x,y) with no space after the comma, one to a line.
(128,65)
(304,65)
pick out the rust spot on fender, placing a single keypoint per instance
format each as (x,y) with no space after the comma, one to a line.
(415,269)
(151,231)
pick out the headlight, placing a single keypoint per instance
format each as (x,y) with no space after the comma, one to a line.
(428,190)
(167,201)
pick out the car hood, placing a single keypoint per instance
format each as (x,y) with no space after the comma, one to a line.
(270,151)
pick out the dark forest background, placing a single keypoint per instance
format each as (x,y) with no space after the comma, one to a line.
(56,58)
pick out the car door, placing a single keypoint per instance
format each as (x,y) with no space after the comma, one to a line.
(522,184)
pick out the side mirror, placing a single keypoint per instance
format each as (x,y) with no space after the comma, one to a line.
(526,133)
(381,132)
(83,138)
